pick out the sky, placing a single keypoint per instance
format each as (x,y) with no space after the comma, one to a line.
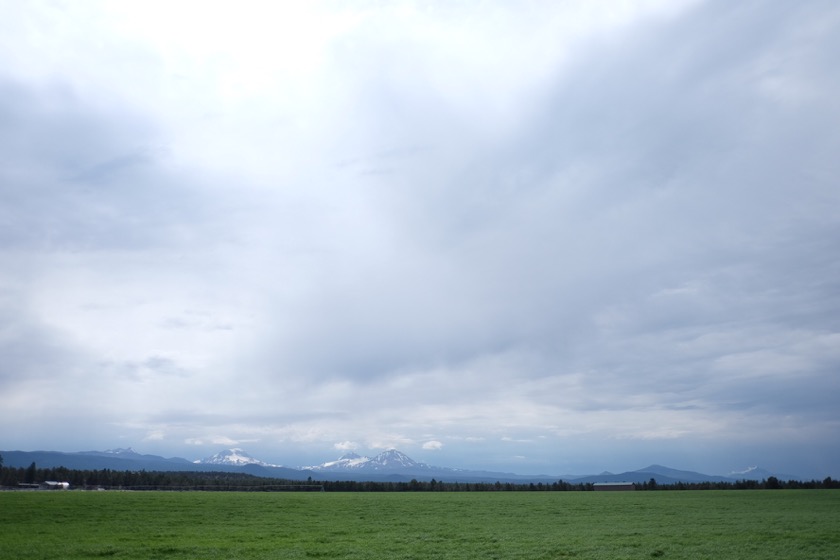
(532,237)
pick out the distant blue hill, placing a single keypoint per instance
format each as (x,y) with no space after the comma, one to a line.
(131,461)
(662,475)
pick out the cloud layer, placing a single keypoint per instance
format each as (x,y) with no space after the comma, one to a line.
(542,239)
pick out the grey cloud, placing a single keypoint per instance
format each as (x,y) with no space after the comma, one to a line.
(151,367)
(110,169)
(63,129)
(79,176)
(34,352)
(683,181)
(652,171)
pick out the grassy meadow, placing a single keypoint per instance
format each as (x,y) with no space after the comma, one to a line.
(717,525)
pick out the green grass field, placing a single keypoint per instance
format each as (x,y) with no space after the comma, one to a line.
(785,524)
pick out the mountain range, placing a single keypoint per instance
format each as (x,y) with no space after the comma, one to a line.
(390,465)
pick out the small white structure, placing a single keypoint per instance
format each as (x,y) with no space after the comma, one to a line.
(53,485)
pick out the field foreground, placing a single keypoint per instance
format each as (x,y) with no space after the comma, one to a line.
(715,525)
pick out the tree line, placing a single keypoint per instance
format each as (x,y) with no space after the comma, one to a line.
(12,477)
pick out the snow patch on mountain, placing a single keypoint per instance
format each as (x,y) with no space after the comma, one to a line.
(347,461)
(747,471)
(758,473)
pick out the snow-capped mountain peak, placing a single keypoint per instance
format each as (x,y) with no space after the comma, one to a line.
(390,460)
(234,456)
(393,459)
(121,451)
(350,456)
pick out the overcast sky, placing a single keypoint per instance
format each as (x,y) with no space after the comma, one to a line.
(537,237)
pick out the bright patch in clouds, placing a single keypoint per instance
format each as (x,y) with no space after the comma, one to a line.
(214,440)
(346,446)
(558,237)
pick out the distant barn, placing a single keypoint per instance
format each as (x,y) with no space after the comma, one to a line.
(613,486)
